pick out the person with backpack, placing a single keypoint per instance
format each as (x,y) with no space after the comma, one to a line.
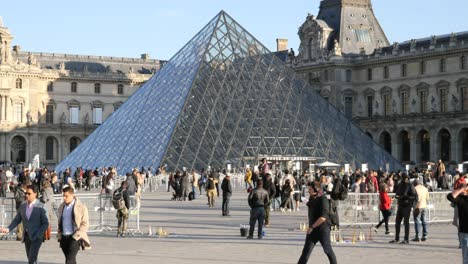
(339,192)
(211,190)
(121,202)
(405,195)
(226,187)
(319,225)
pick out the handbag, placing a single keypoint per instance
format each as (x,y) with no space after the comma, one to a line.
(47,233)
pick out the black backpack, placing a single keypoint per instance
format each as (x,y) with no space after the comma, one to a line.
(210,184)
(118,200)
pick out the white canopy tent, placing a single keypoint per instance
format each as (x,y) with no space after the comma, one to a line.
(329,164)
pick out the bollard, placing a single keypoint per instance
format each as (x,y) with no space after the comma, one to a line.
(354,239)
(369,237)
(340,238)
(333,235)
(150,231)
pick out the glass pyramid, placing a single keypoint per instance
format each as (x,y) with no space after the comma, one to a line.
(224,98)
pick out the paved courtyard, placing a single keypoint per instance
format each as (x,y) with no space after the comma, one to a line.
(202,235)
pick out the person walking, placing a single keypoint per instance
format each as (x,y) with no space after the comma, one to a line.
(211,190)
(319,225)
(420,210)
(460,198)
(33,216)
(257,200)
(121,195)
(405,195)
(385,207)
(226,187)
(73,225)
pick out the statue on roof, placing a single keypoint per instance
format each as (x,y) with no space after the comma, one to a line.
(32,59)
(336,48)
(62,66)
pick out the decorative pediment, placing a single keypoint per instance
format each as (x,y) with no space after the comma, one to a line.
(349,92)
(422,87)
(97,104)
(17,99)
(49,102)
(404,88)
(462,82)
(73,103)
(442,84)
(386,90)
(369,92)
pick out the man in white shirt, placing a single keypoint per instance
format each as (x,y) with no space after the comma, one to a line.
(420,210)
(73,225)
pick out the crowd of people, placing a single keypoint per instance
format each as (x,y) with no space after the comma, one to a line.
(267,191)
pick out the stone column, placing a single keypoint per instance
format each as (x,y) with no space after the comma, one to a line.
(454,148)
(2,146)
(395,146)
(413,148)
(2,109)
(434,148)
(7,115)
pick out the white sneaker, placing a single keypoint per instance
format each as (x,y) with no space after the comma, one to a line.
(282,209)
(289,210)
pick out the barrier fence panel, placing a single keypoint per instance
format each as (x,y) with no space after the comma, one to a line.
(7,211)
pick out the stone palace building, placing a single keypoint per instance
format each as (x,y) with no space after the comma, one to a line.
(51,102)
(411,97)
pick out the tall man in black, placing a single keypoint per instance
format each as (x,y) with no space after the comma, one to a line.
(226,187)
(406,195)
(269,186)
(319,225)
(460,198)
(257,200)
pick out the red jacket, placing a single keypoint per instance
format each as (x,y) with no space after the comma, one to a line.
(385,201)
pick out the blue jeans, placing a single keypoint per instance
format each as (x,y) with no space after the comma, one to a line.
(257,214)
(420,218)
(464,246)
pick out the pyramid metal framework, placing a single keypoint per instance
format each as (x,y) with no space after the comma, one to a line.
(224,98)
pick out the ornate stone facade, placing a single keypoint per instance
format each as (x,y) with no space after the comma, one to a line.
(51,102)
(411,97)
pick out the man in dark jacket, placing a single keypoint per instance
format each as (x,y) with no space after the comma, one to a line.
(226,187)
(131,187)
(460,198)
(257,200)
(122,213)
(319,225)
(406,195)
(269,186)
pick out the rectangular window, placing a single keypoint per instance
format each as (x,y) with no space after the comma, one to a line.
(404,103)
(120,89)
(97,88)
(423,101)
(50,86)
(97,115)
(443,65)
(74,87)
(369,74)
(465,98)
(349,75)
(386,72)
(370,105)
(18,113)
(74,115)
(49,114)
(362,35)
(443,100)
(422,67)
(387,104)
(403,70)
(349,107)
(463,62)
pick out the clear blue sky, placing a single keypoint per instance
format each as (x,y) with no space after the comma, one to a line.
(161,27)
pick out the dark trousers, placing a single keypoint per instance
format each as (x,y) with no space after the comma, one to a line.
(386,215)
(217,188)
(257,214)
(321,234)
(403,213)
(32,248)
(70,249)
(226,203)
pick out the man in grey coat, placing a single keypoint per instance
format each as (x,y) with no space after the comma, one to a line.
(34,218)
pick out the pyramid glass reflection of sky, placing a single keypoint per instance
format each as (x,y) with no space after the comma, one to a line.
(224,98)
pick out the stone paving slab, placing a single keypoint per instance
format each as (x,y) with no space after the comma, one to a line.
(202,235)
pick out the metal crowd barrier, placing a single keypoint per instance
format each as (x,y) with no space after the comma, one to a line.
(102,215)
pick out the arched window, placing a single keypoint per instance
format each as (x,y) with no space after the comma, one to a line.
(463,143)
(386,141)
(50,148)
(404,139)
(74,142)
(19,83)
(444,144)
(18,149)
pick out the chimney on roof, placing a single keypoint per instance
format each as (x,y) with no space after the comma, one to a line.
(281,44)
(145,56)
